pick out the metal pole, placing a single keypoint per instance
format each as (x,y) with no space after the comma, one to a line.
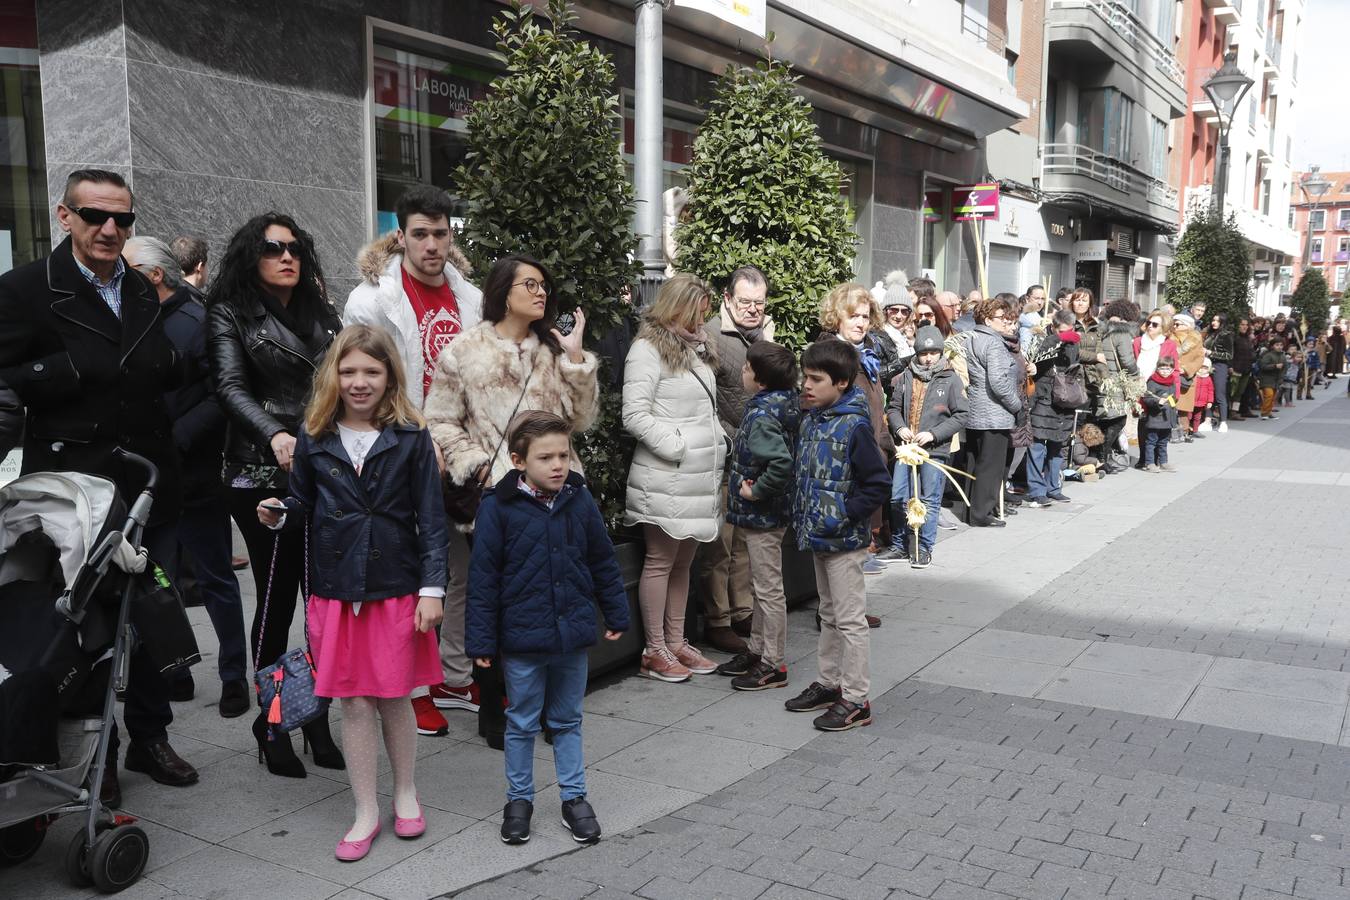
(1221,177)
(647,140)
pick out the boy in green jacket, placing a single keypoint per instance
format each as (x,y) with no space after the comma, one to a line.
(1270,370)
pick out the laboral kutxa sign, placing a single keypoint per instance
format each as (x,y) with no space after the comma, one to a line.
(746,14)
(976,201)
(433,93)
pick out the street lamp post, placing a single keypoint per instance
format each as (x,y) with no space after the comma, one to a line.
(1314,188)
(1225,90)
(648,111)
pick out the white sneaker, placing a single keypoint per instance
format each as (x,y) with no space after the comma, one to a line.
(1223,428)
(1203,426)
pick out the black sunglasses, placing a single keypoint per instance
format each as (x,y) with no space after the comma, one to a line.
(272,249)
(95,216)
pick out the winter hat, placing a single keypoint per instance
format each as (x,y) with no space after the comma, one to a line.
(1183,319)
(927,338)
(1209,364)
(897,296)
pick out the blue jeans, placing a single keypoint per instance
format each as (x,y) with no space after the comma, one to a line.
(554,684)
(1043,469)
(1155,446)
(204,532)
(931,482)
(1220,376)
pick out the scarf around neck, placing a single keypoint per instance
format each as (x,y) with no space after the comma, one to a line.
(926,373)
(751,335)
(694,340)
(1169,381)
(871,363)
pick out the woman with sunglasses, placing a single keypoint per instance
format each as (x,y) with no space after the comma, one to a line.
(1149,347)
(269,325)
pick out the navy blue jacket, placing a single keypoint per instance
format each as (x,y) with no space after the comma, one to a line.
(198,419)
(376,535)
(536,573)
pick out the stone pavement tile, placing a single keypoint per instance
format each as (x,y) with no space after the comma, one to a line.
(232,875)
(988,673)
(699,762)
(1279,681)
(1284,716)
(907,646)
(1025,647)
(473,855)
(468,780)
(1112,690)
(601,736)
(654,702)
(944,605)
(1296,477)
(1127,659)
(758,715)
(305,839)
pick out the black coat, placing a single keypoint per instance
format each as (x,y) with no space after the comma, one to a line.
(89,382)
(1049,422)
(380,534)
(198,420)
(11,420)
(263,373)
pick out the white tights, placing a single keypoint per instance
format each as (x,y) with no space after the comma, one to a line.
(360,746)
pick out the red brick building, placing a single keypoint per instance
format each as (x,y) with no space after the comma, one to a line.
(1329,248)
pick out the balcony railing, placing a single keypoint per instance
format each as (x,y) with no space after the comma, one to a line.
(991,36)
(1079,159)
(1315,256)
(1343,256)
(1124,22)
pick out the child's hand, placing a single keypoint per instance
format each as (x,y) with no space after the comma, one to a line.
(429,612)
(906,435)
(747,492)
(268,514)
(613,635)
(483,662)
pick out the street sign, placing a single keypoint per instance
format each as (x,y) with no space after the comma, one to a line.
(746,14)
(975,201)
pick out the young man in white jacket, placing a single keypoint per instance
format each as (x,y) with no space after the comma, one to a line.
(415,286)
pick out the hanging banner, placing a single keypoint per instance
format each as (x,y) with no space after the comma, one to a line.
(745,14)
(934,206)
(975,202)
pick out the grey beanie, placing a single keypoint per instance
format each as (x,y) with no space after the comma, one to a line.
(897,296)
(927,338)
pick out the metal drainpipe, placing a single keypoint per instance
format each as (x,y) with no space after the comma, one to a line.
(647,139)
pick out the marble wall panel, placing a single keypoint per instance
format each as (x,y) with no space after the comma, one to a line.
(191,122)
(172,203)
(894,228)
(84,27)
(292,46)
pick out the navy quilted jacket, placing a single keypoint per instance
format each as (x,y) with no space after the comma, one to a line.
(536,573)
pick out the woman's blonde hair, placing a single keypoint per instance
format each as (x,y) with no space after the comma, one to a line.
(839,304)
(325,405)
(678,302)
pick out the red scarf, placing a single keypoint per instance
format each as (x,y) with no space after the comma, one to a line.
(1169,381)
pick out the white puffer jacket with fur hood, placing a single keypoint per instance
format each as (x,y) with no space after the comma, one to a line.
(379,300)
(676,477)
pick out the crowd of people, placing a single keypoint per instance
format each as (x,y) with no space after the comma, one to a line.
(403,471)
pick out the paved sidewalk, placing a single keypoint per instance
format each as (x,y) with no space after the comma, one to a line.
(1060,738)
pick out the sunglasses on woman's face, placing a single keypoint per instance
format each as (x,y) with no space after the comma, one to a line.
(927,317)
(1154,324)
(274,249)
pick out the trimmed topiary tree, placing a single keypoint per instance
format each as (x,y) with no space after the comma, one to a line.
(1213,266)
(544,176)
(1311,302)
(761,191)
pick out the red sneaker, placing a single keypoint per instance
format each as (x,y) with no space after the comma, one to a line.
(446,697)
(429,718)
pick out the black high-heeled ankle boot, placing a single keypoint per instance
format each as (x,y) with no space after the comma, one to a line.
(275,749)
(319,743)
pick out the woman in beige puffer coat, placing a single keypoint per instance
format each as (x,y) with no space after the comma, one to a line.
(669,405)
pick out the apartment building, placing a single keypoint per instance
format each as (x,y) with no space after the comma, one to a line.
(1262,36)
(1322,228)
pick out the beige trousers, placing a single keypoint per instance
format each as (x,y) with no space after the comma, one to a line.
(844,637)
(725,567)
(768,634)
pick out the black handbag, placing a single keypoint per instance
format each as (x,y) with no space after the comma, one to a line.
(286,688)
(160,621)
(1067,390)
(462,500)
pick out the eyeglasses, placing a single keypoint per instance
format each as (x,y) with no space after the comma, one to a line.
(893,310)
(95,216)
(743,303)
(534,286)
(274,249)
(1154,324)
(927,316)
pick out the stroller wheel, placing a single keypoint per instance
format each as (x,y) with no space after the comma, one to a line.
(19,842)
(118,858)
(77,859)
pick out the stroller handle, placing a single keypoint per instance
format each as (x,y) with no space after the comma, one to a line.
(150,469)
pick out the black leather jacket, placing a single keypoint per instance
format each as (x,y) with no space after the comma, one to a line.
(263,375)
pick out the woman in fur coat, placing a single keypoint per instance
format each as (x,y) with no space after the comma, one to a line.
(514,360)
(674,482)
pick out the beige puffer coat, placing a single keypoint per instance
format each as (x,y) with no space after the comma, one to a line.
(676,475)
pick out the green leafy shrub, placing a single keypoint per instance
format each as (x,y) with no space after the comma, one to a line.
(1311,302)
(1213,266)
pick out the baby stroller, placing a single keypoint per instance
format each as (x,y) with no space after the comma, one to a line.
(71,564)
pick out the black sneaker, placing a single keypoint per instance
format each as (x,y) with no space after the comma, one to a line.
(739,664)
(891,554)
(761,677)
(815,697)
(516,821)
(1059,497)
(579,818)
(844,715)
(234,699)
(923,560)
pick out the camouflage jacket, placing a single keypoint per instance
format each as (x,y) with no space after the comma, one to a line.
(825,477)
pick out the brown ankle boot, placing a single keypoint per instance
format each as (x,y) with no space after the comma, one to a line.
(722,638)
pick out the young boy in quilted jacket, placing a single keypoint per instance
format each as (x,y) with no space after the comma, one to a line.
(541,561)
(841,480)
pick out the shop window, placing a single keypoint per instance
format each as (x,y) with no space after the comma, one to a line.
(25,230)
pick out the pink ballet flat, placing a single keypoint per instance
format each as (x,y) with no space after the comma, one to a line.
(351,851)
(410,828)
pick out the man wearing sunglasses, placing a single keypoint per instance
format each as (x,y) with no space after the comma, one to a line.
(415,287)
(82,343)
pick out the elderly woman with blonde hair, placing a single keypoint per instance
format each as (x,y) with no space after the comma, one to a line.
(670,406)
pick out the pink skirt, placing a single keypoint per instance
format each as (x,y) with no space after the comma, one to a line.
(375,653)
